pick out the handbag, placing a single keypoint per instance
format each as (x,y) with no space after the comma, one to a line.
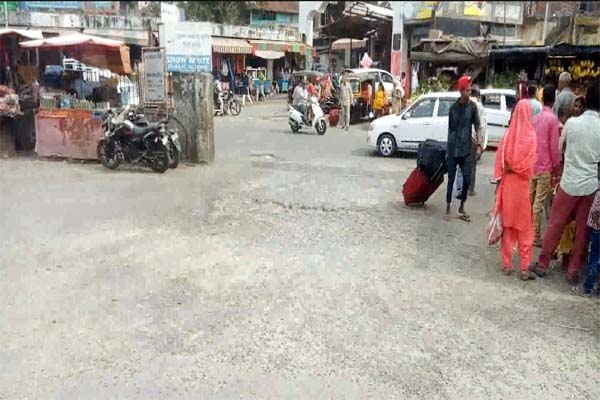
(494,227)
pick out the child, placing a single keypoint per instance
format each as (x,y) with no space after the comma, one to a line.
(379,102)
(594,257)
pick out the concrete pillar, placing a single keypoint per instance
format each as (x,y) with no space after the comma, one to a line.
(399,54)
(347,58)
(193,98)
(270,70)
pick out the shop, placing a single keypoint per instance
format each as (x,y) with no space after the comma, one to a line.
(229,59)
(279,57)
(509,65)
(582,62)
(17,91)
(77,90)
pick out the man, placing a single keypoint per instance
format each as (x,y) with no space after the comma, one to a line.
(578,185)
(346,99)
(462,118)
(299,98)
(564,100)
(218,92)
(479,136)
(260,90)
(536,106)
(547,166)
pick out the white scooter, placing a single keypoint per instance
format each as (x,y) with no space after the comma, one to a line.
(297,119)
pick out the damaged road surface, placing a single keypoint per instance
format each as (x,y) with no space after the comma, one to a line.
(287,269)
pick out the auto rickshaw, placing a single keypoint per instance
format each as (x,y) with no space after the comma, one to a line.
(362,107)
(299,76)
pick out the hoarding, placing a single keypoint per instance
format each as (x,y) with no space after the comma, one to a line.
(188,46)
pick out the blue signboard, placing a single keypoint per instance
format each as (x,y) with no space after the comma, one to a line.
(70,5)
(188,63)
(188,46)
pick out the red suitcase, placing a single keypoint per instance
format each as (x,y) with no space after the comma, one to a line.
(334,116)
(418,189)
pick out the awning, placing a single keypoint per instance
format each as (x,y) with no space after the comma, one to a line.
(290,47)
(139,38)
(269,54)
(91,50)
(344,44)
(230,46)
(27,34)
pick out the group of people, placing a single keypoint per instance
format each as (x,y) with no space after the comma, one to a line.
(551,151)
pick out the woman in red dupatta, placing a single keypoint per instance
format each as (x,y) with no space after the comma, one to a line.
(515,158)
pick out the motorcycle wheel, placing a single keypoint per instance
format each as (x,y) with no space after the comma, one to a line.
(160,160)
(321,127)
(235,107)
(110,161)
(173,156)
(295,128)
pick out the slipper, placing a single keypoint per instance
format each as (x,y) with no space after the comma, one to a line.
(464,216)
(447,217)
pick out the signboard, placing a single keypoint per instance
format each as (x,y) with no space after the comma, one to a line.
(71,5)
(155,87)
(11,5)
(170,13)
(188,46)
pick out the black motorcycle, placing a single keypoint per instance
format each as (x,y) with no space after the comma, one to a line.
(129,137)
(329,103)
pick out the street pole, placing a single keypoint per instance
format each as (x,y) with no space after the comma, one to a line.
(545,22)
(504,40)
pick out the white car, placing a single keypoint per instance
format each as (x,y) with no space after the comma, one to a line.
(427,118)
(379,75)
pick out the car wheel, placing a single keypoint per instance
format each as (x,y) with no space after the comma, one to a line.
(386,145)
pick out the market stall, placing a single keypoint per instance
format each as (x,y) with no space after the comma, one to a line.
(74,95)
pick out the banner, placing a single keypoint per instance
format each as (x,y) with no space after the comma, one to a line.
(188,46)
(155,88)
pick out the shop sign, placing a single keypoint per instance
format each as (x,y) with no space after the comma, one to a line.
(70,5)
(154,88)
(10,5)
(170,13)
(188,46)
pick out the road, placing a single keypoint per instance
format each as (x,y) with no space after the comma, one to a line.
(288,268)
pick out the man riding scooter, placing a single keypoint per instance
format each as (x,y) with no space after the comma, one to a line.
(300,98)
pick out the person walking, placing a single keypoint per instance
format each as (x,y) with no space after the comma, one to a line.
(479,136)
(346,99)
(593,223)
(515,159)
(549,157)
(462,118)
(260,90)
(536,106)
(379,101)
(564,101)
(578,185)
(397,96)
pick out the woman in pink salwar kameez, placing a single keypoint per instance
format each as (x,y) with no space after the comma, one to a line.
(515,158)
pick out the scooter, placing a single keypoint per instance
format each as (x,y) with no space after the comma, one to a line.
(297,119)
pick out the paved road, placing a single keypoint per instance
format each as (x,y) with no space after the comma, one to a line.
(288,268)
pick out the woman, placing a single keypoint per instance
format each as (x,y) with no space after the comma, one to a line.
(379,101)
(515,158)
(397,95)
(578,106)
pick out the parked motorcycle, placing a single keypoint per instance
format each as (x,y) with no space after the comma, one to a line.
(129,137)
(298,120)
(230,105)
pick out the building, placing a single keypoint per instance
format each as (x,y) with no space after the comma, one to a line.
(274,13)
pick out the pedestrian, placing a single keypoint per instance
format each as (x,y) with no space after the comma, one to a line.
(479,137)
(578,106)
(564,101)
(397,96)
(346,99)
(536,106)
(549,157)
(515,159)
(260,91)
(379,101)
(578,184)
(462,117)
(593,223)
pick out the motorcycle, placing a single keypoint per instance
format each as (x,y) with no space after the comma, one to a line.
(230,104)
(131,138)
(329,103)
(297,119)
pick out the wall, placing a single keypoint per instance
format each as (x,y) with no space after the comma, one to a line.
(36,20)
(257,18)
(484,11)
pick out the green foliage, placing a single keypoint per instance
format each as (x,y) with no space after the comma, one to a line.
(507,80)
(432,85)
(227,12)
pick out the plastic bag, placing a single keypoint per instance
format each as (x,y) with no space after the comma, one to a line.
(494,228)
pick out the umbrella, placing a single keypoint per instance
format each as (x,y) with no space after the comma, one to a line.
(92,50)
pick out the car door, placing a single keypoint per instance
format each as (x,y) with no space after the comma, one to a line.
(440,124)
(495,115)
(416,125)
(388,84)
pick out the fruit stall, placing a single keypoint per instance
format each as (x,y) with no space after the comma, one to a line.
(582,62)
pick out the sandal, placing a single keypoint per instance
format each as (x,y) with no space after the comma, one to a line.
(448,217)
(527,276)
(464,216)
(507,271)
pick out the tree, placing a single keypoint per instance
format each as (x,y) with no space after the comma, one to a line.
(228,12)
